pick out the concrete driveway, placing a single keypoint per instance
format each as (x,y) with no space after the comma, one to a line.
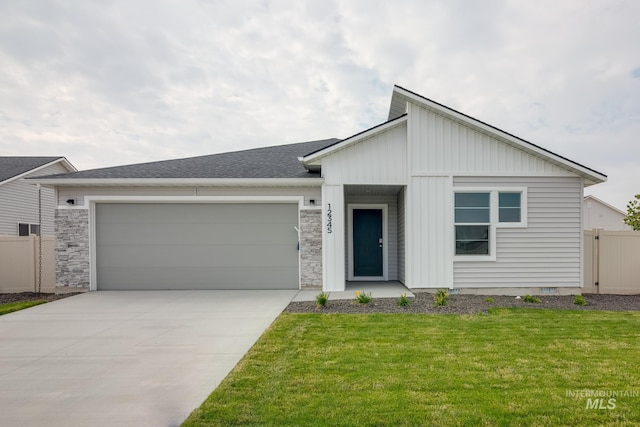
(126,358)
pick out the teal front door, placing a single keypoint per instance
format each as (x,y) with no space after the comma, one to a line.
(367,243)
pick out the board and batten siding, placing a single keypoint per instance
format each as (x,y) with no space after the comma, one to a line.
(455,148)
(19,202)
(429,240)
(378,160)
(544,254)
(80,193)
(401,235)
(392,229)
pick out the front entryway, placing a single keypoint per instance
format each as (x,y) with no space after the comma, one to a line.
(367,243)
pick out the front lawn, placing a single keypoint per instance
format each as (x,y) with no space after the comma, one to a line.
(16,306)
(512,367)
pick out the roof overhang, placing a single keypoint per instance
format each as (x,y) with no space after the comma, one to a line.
(398,108)
(179,182)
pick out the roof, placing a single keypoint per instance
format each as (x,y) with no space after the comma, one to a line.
(398,111)
(280,161)
(15,166)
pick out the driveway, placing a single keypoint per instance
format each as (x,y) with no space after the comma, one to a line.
(126,358)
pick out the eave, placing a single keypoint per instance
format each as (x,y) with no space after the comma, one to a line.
(179,182)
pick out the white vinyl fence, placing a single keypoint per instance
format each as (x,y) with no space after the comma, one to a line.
(611,262)
(20,264)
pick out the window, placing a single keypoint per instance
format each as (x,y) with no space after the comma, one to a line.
(478,212)
(28,229)
(473,210)
(509,207)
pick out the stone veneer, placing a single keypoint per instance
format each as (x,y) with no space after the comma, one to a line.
(311,248)
(72,247)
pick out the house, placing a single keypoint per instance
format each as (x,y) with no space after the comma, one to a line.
(19,202)
(431,198)
(599,214)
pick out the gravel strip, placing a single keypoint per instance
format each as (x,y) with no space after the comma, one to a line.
(469,304)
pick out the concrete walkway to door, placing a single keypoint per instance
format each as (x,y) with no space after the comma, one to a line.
(126,358)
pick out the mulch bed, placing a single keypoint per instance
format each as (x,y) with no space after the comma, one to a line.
(469,304)
(32,296)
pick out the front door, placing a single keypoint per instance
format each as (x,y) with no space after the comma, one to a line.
(367,243)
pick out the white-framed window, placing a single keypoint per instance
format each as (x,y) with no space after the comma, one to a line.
(478,212)
(25,229)
(472,219)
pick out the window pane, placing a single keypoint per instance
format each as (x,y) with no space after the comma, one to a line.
(35,229)
(472,240)
(509,215)
(472,248)
(472,215)
(509,200)
(472,232)
(472,200)
(23,229)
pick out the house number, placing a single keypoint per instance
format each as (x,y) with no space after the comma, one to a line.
(329,218)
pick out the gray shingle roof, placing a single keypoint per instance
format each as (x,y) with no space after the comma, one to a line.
(14,166)
(280,161)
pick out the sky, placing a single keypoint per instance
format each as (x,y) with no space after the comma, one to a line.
(107,83)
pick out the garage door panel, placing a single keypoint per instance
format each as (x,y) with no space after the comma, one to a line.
(193,213)
(205,255)
(183,278)
(196,246)
(203,234)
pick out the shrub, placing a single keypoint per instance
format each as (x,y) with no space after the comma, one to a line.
(363,297)
(488,299)
(579,300)
(531,300)
(404,301)
(441,297)
(321,299)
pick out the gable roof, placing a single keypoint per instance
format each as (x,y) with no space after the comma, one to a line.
(12,167)
(310,159)
(275,162)
(603,203)
(402,96)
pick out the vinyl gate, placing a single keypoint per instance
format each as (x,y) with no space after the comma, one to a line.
(611,262)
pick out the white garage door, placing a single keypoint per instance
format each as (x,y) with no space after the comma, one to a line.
(196,246)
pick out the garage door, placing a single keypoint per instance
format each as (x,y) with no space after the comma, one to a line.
(196,246)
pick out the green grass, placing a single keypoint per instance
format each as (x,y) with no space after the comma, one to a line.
(16,306)
(511,367)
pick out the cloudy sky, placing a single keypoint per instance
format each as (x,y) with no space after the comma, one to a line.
(107,83)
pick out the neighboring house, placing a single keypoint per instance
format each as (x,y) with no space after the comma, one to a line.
(19,203)
(599,214)
(431,198)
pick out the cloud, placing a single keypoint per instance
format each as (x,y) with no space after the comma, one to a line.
(119,82)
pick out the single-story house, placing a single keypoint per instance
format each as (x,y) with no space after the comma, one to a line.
(21,206)
(431,198)
(601,215)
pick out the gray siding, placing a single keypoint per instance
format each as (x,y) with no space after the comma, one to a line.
(392,229)
(547,252)
(19,203)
